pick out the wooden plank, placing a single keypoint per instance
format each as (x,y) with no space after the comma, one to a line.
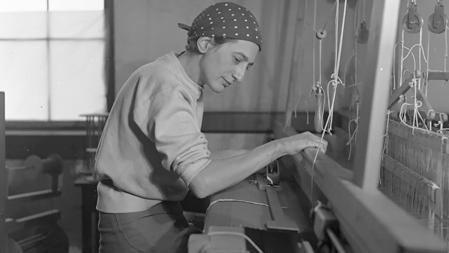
(369,220)
(376,71)
(3,182)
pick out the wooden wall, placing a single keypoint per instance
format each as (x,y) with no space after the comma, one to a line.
(147,29)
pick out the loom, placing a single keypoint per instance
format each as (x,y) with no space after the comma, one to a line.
(383,199)
(415,159)
(31,219)
(28,221)
(414,168)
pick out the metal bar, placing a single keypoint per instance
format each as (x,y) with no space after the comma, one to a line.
(373,107)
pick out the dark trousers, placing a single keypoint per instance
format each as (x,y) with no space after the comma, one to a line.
(162,228)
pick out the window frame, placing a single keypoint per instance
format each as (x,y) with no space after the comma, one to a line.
(73,127)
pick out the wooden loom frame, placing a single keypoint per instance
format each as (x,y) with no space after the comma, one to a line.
(370,221)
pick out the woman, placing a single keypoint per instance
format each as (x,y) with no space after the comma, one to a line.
(152,151)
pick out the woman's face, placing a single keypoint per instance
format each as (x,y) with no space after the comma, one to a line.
(226,64)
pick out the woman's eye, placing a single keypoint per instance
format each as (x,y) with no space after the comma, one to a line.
(237,60)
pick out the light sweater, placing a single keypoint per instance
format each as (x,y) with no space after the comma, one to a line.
(152,145)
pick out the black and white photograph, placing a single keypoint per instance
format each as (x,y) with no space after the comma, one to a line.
(224,126)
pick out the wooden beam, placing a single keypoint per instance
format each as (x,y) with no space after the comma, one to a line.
(110,55)
(438,75)
(3,181)
(373,107)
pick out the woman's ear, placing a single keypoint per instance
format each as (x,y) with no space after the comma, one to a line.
(204,43)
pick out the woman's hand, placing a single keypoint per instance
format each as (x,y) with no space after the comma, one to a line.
(298,142)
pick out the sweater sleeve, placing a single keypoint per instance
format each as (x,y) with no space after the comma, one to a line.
(177,135)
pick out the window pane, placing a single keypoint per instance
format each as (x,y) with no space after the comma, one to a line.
(77,78)
(22,5)
(78,5)
(52,63)
(23,25)
(79,24)
(23,73)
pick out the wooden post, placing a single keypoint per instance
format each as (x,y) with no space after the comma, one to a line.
(3,187)
(373,107)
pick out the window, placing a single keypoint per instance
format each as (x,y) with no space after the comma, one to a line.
(52,59)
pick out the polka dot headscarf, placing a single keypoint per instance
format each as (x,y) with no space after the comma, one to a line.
(227,20)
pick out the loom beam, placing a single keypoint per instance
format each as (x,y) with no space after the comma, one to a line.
(437,75)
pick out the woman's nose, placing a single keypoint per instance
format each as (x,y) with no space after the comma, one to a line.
(239,72)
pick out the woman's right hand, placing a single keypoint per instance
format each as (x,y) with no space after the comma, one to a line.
(298,142)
